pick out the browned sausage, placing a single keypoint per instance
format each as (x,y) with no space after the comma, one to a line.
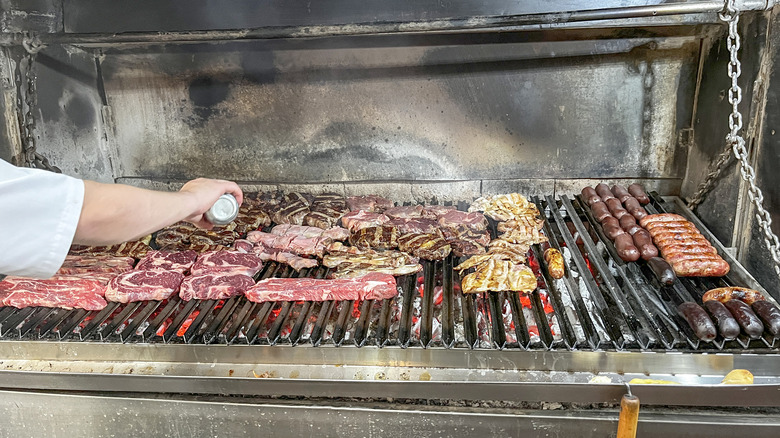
(600,211)
(638,192)
(616,208)
(612,230)
(769,314)
(727,325)
(638,213)
(662,270)
(633,229)
(644,243)
(620,192)
(746,318)
(627,222)
(631,204)
(554,261)
(604,192)
(624,245)
(589,195)
(724,294)
(611,221)
(697,318)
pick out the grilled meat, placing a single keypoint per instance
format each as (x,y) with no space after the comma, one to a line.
(352,262)
(505,207)
(379,237)
(414,225)
(425,246)
(474,221)
(375,286)
(404,212)
(370,203)
(292,212)
(356,220)
(499,276)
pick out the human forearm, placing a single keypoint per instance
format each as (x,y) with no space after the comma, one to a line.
(114,213)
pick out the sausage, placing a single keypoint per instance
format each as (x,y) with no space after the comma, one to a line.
(644,243)
(604,192)
(612,230)
(769,314)
(625,248)
(634,229)
(746,318)
(589,195)
(554,261)
(724,294)
(620,192)
(697,318)
(662,270)
(638,213)
(631,204)
(727,325)
(600,211)
(638,192)
(627,222)
(616,208)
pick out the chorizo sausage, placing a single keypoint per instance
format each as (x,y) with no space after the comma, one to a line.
(662,270)
(604,192)
(697,318)
(727,325)
(624,245)
(554,261)
(589,195)
(638,192)
(616,208)
(769,314)
(644,243)
(620,192)
(746,318)
(724,294)
(600,211)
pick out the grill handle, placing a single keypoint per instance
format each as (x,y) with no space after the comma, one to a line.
(629,416)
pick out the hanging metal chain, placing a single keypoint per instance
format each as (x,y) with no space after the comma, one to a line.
(736,144)
(27,120)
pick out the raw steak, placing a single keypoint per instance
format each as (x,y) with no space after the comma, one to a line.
(214,286)
(168,261)
(359,219)
(143,285)
(227,262)
(372,286)
(63,292)
(475,221)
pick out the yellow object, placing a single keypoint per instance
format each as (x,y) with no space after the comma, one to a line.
(651,382)
(738,377)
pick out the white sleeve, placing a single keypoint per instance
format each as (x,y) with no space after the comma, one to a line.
(39,212)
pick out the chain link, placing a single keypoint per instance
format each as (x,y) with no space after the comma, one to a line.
(736,144)
(27,119)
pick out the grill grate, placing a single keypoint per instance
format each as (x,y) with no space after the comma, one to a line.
(601,303)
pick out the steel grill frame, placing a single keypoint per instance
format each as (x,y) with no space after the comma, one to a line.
(634,312)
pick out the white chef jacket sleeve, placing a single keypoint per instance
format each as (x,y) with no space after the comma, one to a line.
(39,212)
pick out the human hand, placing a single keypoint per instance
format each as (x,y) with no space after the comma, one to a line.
(204,193)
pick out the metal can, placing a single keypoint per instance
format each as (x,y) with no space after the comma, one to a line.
(223,211)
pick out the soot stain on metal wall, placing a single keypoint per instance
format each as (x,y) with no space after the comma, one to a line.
(206,93)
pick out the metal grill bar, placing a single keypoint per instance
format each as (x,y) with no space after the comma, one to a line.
(66,329)
(41,315)
(130,331)
(605,314)
(221,321)
(97,321)
(54,320)
(295,334)
(409,287)
(340,330)
(496,317)
(253,329)
(429,281)
(448,303)
(362,324)
(518,318)
(156,324)
(322,319)
(384,322)
(470,320)
(108,330)
(170,332)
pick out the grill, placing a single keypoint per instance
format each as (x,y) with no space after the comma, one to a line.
(419,102)
(601,304)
